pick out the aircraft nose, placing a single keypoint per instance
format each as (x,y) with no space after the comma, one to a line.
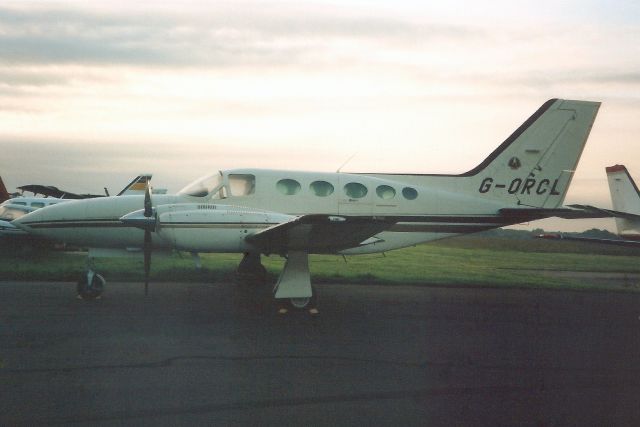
(30,221)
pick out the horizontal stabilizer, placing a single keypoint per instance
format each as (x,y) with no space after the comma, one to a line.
(614,242)
(516,215)
(606,213)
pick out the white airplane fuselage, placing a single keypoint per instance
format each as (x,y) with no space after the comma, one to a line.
(233,210)
(241,212)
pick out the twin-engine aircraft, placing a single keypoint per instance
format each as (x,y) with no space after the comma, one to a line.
(294,214)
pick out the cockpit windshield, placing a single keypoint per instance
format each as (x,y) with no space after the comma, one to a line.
(204,186)
(10,212)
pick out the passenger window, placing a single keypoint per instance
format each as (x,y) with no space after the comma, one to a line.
(409,193)
(37,205)
(321,188)
(385,192)
(288,187)
(355,190)
(19,203)
(242,184)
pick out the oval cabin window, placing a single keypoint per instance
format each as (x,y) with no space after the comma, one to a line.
(409,193)
(385,192)
(321,188)
(288,187)
(355,190)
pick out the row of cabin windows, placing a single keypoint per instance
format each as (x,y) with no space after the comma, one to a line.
(354,190)
(245,184)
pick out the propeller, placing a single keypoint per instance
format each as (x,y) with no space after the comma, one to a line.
(147,247)
(147,220)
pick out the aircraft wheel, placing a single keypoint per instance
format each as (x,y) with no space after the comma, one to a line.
(306,303)
(93,290)
(299,303)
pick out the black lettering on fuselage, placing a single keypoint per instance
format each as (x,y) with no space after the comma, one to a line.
(543,186)
(514,186)
(528,185)
(523,186)
(485,185)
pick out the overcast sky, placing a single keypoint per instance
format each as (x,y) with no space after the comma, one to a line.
(92,94)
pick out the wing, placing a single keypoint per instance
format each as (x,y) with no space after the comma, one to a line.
(320,233)
(615,242)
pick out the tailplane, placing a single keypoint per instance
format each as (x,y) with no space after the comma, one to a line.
(625,197)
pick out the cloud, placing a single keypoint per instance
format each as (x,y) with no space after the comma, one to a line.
(229,35)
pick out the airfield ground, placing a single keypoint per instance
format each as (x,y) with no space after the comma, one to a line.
(200,354)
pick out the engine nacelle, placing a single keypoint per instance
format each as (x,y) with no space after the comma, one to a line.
(212,228)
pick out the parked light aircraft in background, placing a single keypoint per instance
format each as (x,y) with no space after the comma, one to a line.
(4,194)
(294,214)
(625,199)
(16,207)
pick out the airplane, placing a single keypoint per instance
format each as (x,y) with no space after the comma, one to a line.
(296,213)
(16,207)
(625,199)
(51,191)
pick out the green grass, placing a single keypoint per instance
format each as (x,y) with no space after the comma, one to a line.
(466,261)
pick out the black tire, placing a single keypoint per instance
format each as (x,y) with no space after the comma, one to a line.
(91,291)
(305,303)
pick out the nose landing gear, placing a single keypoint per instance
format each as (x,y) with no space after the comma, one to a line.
(90,285)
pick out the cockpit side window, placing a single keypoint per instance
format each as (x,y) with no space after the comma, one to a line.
(204,186)
(7,213)
(242,184)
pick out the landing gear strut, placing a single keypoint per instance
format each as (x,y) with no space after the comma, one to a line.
(251,271)
(294,284)
(91,284)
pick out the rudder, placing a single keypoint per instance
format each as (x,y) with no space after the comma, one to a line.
(535,165)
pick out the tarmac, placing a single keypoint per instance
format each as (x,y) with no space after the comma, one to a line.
(213,354)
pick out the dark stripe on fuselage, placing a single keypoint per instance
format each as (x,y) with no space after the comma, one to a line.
(438,228)
(494,220)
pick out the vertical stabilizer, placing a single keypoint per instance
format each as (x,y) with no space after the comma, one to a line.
(625,197)
(4,194)
(535,165)
(137,186)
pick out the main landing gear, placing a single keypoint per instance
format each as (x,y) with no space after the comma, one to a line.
(294,285)
(293,290)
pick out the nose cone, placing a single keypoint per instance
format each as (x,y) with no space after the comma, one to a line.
(40,221)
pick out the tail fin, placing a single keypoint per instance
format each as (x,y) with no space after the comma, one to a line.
(531,168)
(625,197)
(137,186)
(4,194)
(535,165)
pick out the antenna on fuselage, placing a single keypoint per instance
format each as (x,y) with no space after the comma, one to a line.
(346,161)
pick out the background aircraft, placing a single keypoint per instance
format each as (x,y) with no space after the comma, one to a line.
(625,199)
(294,214)
(19,206)
(4,194)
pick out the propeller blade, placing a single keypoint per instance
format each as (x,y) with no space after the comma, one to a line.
(148,207)
(147,260)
